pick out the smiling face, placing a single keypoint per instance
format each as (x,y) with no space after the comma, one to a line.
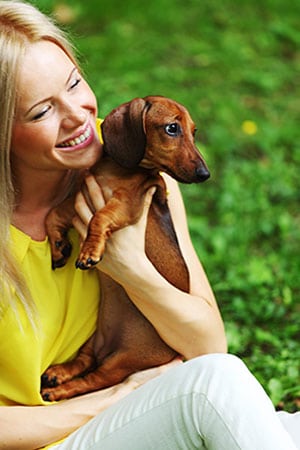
(54,126)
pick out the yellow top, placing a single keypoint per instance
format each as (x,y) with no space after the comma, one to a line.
(66,300)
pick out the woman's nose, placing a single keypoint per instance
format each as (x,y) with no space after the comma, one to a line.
(74,117)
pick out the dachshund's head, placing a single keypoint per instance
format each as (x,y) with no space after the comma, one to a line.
(156,133)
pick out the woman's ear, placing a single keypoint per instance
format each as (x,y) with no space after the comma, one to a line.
(124,133)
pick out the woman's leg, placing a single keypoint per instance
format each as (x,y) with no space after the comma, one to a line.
(211,402)
(291,422)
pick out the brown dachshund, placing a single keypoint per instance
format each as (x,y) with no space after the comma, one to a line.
(141,138)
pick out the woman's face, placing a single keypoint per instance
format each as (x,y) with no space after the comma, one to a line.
(54,125)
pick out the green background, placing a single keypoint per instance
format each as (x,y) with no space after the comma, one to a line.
(235,66)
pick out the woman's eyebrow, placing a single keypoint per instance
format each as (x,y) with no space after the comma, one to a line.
(74,69)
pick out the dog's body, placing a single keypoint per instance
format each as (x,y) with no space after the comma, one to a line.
(141,138)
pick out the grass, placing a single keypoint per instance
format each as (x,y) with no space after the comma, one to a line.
(234,65)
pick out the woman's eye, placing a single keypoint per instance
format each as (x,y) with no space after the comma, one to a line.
(173,129)
(41,114)
(74,83)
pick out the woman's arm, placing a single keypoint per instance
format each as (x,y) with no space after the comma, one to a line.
(33,427)
(189,322)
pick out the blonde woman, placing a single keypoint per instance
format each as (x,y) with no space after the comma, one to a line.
(209,402)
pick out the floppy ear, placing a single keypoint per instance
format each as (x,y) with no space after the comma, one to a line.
(123,133)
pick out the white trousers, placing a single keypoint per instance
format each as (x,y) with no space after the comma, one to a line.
(211,402)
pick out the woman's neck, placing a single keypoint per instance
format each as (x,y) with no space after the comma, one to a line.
(31,223)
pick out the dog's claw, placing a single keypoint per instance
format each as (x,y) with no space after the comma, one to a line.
(64,251)
(67,250)
(86,265)
(92,262)
(58,244)
(53,382)
(59,263)
(46,396)
(44,379)
(48,382)
(80,265)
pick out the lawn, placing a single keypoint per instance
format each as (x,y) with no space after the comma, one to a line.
(235,66)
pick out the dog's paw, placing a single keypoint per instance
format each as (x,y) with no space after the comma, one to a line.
(56,375)
(90,255)
(65,251)
(86,264)
(53,394)
(47,396)
(47,381)
(61,250)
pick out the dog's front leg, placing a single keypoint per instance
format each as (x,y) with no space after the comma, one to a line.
(115,215)
(58,222)
(56,377)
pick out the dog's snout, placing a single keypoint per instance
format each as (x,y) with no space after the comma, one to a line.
(202,173)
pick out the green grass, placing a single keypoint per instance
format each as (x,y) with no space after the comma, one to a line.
(229,62)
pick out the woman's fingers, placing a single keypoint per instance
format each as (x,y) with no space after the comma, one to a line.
(83,209)
(88,200)
(80,227)
(148,198)
(139,378)
(146,206)
(95,195)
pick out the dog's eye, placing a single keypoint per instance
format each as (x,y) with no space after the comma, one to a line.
(173,129)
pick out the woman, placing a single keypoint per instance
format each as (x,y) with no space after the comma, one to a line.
(48,135)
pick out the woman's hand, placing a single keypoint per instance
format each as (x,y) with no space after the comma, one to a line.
(139,378)
(28,427)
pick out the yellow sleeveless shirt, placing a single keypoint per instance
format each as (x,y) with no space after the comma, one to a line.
(66,300)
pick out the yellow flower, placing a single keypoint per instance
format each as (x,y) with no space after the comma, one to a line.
(249,127)
(64,14)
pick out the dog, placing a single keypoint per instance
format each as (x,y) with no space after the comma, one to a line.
(142,138)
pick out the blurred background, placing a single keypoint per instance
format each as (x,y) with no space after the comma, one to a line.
(236,67)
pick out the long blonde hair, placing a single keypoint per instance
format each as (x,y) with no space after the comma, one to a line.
(20,25)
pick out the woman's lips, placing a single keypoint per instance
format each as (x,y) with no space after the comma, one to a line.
(82,140)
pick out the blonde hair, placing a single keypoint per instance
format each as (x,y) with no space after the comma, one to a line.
(20,25)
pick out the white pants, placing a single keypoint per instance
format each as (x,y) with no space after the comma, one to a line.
(211,402)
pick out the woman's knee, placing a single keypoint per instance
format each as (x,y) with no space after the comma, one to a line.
(218,364)
(212,372)
(210,376)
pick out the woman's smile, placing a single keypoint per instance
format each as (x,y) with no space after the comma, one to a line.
(79,140)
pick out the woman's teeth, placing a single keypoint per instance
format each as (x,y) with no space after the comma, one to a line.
(78,140)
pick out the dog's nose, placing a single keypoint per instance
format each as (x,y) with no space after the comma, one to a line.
(202,173)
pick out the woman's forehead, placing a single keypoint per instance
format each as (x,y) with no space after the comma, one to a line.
(44,67)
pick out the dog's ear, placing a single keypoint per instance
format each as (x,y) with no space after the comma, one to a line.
(124,133)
